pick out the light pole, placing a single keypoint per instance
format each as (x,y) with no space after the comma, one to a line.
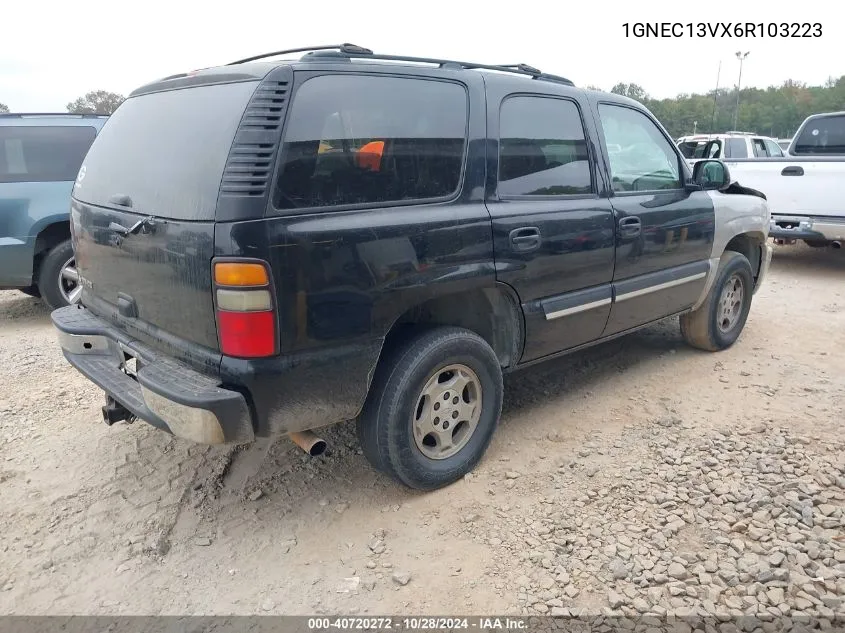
(741,57)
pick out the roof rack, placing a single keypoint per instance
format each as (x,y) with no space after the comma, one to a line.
(349,51)
(21,115)
(743,133)
(343,48)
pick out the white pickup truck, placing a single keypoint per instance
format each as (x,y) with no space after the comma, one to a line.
(806,189)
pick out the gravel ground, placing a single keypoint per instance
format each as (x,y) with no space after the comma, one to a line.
(637,478)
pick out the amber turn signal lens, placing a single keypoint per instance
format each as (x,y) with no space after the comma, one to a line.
(240,274)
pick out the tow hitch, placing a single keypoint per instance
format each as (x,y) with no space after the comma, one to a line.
(113,412)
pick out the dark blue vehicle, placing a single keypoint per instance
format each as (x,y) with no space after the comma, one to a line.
(271,246)
(40,156)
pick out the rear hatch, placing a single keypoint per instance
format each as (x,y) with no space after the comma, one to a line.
(156,167)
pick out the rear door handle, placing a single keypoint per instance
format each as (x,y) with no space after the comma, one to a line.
(792,170)
(629,227)
(526,238)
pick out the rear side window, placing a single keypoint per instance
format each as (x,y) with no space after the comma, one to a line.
(366,140)
(737,148)
(760,149)
(43,153)
(773,148)
(166,151)
(542,148)
(825,135)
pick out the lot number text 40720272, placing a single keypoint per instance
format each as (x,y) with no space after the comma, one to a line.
(722,29)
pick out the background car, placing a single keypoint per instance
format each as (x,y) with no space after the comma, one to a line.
(40,157)
(728,145)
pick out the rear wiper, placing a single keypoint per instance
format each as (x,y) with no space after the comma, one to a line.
(122,230)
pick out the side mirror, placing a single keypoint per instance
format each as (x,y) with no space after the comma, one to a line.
(711,174)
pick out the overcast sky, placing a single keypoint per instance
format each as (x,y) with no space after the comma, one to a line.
(52,52)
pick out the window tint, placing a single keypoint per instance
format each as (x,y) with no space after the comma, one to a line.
(825,135)
(166,151)
(760,149)
(773,148)
(43,154)
(542,148)
(364,140)
(647,161)
(737,148)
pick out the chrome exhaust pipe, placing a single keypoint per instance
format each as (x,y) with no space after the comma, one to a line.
(308,442)
(836,244)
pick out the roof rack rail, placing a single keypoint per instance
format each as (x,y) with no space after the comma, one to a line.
(25,114)
(355,51)
(343,48)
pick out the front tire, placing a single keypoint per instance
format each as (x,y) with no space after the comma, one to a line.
(433,407)
(718,322)
(58,281)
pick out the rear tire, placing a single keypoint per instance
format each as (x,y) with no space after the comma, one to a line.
(433,407)
(57,279)
(718,322)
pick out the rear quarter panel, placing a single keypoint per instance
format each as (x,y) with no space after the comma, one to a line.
(342,278)
(26,209)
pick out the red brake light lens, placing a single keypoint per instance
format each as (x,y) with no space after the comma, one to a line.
(247,334)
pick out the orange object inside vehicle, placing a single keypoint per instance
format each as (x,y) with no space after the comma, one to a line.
(369,156)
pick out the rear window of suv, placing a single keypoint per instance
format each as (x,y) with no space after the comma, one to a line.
(370,140)
(166,151)
(49,153)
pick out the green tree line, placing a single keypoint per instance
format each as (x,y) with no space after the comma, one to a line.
(776,111)
(94,102)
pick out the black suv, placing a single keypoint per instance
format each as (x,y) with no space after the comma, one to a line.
(270,247)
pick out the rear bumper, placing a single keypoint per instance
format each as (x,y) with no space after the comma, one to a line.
(163,392)
(802,227)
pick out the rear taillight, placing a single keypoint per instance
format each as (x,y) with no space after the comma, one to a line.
(246,318)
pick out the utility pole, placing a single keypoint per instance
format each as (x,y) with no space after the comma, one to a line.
(741,57)
(715,96)
(694,127)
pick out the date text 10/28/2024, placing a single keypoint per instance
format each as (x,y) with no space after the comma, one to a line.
(722,29)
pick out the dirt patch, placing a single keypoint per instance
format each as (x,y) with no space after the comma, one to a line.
(637,477)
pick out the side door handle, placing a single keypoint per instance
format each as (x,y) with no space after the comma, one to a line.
(629,227)
(792,170)
(524,239)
